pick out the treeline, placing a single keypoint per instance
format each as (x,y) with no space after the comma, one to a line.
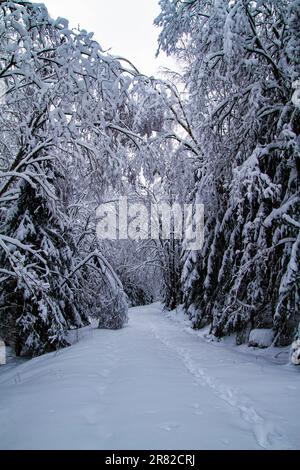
(241,63)
(59,150)
(80,128)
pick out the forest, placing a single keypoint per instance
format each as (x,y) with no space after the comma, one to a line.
(80,128)
(150,229)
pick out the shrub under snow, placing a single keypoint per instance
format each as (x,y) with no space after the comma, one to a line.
(261,337)
(296,352)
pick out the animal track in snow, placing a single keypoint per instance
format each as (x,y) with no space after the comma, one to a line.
(265,432)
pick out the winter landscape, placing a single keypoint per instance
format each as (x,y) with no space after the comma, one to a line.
(150,226)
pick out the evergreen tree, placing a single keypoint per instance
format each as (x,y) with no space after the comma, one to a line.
(240,61)
(65,132)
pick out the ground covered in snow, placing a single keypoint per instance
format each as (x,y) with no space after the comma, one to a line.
(151,385)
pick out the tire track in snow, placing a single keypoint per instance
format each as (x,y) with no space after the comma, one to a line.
(264,431)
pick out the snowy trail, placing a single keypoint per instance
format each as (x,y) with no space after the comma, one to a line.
(148,386)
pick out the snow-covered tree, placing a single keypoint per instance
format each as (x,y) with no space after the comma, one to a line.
(240,61)
(65,124)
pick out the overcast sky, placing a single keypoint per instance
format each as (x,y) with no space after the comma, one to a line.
(125,26)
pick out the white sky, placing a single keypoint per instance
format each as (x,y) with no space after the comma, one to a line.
(123,26)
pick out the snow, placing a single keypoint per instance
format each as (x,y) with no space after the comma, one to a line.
(2,353)
(261,337)
(150,385)
(296,352)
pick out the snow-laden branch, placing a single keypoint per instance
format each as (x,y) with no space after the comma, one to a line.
(281,212)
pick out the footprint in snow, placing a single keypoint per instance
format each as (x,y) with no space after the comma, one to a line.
(101,390)
(196,407)
(105,373)
(168,426)
(225,441)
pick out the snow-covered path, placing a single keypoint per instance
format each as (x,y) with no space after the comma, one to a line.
(149,386)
